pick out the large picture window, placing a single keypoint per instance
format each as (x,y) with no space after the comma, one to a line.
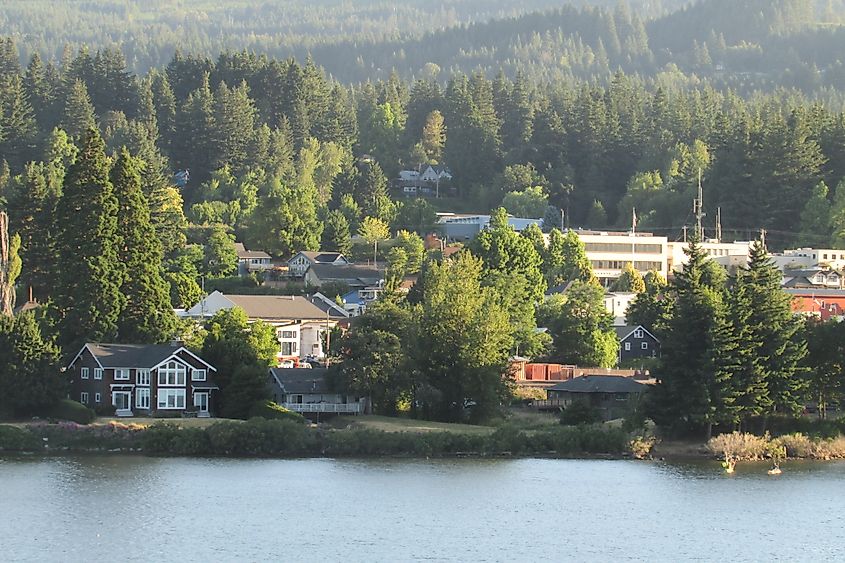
(171,398)
(172,374)
(142,398)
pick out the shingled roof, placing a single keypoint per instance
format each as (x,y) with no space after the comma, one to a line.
(599,384)
(133,355)
(299,381)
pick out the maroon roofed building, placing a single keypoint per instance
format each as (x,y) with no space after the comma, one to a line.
(143,380)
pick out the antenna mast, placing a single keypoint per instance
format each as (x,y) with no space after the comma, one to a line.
(698,210)
(718,224)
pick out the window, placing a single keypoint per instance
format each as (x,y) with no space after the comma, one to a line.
(171,398)
(198,375)
(288,334)
(288,348)
(97,398)
(83,373)
(627,346)
(638,333)
(121,374)
(171,373)
(83,398)
(98,373)
(142,398)
(143,377)
(644,345)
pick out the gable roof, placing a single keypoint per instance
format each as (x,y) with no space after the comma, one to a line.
(366,275)
(623,332)
(134,355)
(297,380)
(600,384)
(293,307)
(319,257)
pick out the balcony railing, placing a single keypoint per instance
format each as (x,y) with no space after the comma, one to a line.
(348,408)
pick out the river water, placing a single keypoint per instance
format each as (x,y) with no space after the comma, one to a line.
(132,508)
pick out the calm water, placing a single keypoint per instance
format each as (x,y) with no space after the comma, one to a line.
(140,509)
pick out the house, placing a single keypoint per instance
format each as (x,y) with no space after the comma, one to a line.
(635,342)
(818,277)
(434,173)
(142,379)
(301,261)
(250,261)
(300,322)
(354,276)
(611,395)
(306,391)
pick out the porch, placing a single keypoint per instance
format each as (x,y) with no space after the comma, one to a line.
(336,408)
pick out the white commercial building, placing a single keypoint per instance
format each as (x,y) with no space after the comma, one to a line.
(609,252)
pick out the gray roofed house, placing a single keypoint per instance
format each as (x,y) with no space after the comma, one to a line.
(146,379)
(636,342)
(608,394)
(132,355)
(252,260)
(355,276)
(307,391)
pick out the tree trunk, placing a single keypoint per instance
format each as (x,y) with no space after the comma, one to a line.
(7,288)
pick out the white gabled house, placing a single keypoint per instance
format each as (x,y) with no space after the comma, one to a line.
(300,322)
(301,261)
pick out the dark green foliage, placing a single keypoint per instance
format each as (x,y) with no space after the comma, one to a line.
(29,367)
(87,294)
(273,411)
(242,353)
(336,235)
(65,409)
(13,439)
(221,258)
(147,315)
(579,412)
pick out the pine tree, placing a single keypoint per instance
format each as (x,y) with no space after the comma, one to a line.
(651,308)
(10,265)
(774,334)
(29,367)
(17,123)
(692,393)
(87,293)
(336,235)
(40,92)
(147,315)
(815,218)
(78,116)
(36,203)
(234,126)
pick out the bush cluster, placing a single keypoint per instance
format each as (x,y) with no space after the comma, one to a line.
(72,411)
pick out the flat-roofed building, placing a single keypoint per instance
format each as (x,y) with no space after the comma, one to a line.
(609,252)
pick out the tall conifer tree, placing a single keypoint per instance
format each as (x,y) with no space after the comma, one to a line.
(87,293)
(147,315)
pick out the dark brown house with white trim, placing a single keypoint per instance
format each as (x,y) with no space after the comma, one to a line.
(142,380)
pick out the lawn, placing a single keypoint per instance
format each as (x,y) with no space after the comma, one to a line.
(391,424)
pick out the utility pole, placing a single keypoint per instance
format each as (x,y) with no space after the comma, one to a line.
(763,238)
(685,233)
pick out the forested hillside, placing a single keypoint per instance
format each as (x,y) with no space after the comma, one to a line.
(149,31)
(747,46)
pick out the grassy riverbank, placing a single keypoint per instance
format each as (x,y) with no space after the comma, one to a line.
(370,436)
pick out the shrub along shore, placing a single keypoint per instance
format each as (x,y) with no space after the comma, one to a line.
(260,437)
(285,438)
